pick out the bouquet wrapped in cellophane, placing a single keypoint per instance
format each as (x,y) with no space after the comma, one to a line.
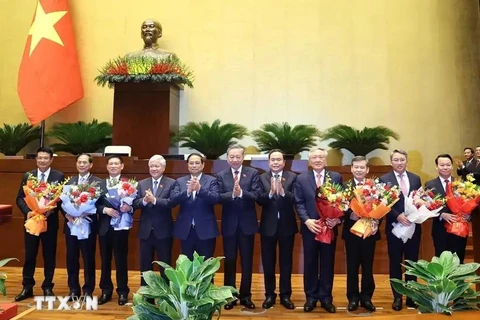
(371,202)
(120,192)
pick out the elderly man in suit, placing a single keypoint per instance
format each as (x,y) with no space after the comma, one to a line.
(397,250)
(156,223)
(443,240)
(277,225)
(359,251)
(48,239)
(317,284)
(239,188)
(87,247)
(196,225)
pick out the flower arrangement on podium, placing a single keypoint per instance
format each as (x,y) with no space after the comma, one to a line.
(121,191)
(419,207)
(462,198)
(145,69)
(331,202)
(40,197)
(371,202)
(79,202)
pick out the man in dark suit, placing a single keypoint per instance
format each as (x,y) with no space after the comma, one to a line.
(112,240)
(277,225)
(359,251)
(443,240)
(397,250)
(86,246)
(467,166)
(239,188)
(43,172)
(196,225)
(156,223)
(317,285)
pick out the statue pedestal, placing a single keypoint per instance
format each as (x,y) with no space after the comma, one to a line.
(144,114)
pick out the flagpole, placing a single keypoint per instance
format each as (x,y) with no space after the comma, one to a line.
(42,133)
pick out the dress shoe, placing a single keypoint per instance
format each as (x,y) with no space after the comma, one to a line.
(48,292)
(104,298)
(230,305)
(247,303)
(122,299)
(397,304)
(268,303)
(87,294)
(287,303)
(309,306)
(329,307)
(352,305)
(73,296)
(24,294)
(368,305)
(409,303)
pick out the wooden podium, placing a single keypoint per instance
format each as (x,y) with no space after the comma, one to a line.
(144,114)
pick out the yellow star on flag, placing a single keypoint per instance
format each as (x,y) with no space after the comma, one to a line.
(43,27)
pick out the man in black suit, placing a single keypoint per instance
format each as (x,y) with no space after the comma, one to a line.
(397,250)
(196,225)
(277,225)
(317,285)
(443,240)
(43,172)
(86,246)
(112,240)
(359,251)
(239,188)
(467,166)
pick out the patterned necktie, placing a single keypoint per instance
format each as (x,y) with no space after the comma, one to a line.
(446,184)
(319,180)
(235,177)
(403,185)
(82,180)
(155,187)
(42,177)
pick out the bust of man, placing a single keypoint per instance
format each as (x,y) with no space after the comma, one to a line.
(151,31)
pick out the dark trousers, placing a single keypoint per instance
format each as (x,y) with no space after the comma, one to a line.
(116,243)
(87,248)
(244,244)
(202,247)
(49,253)
(450,242)
(318,285)
(151,246)
(269,258)
(360,252)
(399,251)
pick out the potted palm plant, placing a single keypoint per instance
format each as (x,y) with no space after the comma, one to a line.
(81,137)
(211,140)
(190,294)
(446,286)
(282,136)
(359,142)
(14,138)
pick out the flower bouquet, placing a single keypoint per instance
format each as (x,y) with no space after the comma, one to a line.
(40,197)
(332,201)
(462,198)
(419,206)
(120,192)
(371,202)
(79,202)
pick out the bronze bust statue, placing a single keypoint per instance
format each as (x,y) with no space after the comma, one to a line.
(151,31)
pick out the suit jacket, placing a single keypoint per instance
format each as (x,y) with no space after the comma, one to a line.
(270,224)
(93,217)
(399,207)
(305,196)
(159,216)
(239,212)
(200,209)
(54,176)
(466,169)
(438,229)
(348,224)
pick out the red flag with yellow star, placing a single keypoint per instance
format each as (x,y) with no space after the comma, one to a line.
(49,76)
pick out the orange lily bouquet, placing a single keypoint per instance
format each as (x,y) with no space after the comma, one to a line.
(40,198)
(462,198)
(332,201)
(371,202)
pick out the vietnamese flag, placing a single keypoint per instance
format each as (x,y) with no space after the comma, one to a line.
(49,76)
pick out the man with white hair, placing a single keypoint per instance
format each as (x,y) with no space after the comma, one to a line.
(156,223)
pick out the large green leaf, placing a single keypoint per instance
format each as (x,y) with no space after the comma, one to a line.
(465,269)
(5,261)
(155,281)
(15,138)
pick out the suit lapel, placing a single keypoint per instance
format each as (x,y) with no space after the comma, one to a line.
(203,181)
(311,178)
(159,189)
(410,182)
(439,187)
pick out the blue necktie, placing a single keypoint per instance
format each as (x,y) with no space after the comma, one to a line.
(155,187)
(42,177)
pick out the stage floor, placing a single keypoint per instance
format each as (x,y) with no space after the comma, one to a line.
(112,311)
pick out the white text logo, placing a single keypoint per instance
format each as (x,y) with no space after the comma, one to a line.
(77,303)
